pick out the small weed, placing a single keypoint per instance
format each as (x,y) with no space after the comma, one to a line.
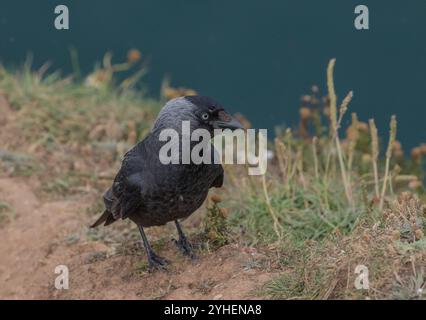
(204,286)
(71,239)
(141,268)
(216,232)
(286,286)
(93,257)
(17,164)
(6,212)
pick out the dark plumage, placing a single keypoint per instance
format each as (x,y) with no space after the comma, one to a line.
(151,193)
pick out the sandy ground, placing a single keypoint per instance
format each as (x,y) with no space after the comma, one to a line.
(32,245)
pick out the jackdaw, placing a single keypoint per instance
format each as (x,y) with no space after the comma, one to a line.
(151,193)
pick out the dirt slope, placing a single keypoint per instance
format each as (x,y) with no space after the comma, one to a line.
(39,238)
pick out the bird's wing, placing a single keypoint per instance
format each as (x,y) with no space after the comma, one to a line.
(126,189)
(128,183)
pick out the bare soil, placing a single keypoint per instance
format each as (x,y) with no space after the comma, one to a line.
(40,237)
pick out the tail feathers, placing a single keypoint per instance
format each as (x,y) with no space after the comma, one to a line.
(106,217)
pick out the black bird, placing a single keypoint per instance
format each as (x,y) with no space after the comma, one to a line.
(151,193)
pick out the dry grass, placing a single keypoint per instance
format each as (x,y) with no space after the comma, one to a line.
(335,208)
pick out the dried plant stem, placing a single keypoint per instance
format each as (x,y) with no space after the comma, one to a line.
(374,154)
(342,111)
(253,184)
(348,191)
(299,166)
(314,151)
(334,128)
(332,96)
(288,139)
(353,139)
(392,137)
(282,159)
(332,111)
(278,229)
(343,108)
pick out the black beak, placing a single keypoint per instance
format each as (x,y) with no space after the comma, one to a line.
(232,124)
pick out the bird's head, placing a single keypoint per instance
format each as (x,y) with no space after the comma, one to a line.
(202,112)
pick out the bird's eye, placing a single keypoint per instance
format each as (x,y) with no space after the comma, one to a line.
(205,116)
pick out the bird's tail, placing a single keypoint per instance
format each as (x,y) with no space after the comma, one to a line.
(106,217)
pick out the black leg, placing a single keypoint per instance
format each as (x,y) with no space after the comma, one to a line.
(183,244)
(154,261)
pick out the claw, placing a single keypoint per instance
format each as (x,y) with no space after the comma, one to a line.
(183,244)
(185,247)
(156,262)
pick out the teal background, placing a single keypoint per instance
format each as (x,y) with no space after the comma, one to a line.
(256,57)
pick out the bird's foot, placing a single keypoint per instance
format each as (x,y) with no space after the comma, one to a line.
(185,247)
(156,263)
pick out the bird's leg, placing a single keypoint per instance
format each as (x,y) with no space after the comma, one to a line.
(183,244)
(154,261)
